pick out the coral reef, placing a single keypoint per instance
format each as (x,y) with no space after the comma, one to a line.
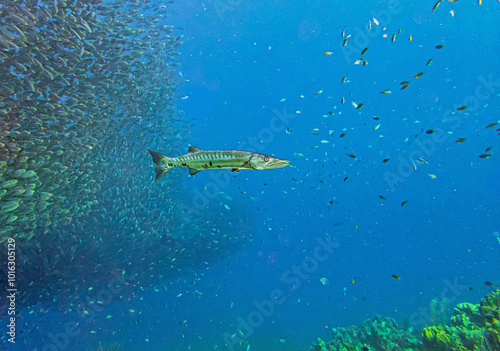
(377,334)
(473,327)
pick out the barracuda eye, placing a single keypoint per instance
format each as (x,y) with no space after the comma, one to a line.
(266,159)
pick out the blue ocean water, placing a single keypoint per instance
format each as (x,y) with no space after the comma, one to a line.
(326,234)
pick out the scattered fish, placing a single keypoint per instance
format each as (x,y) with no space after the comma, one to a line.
(436,5)
(418,75)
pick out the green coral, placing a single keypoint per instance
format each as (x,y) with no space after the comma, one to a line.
(490,309)
(377,334)
(473,327)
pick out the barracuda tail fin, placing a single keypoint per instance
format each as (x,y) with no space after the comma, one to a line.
(160,163)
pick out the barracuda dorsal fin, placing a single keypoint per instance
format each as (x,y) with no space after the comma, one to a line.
(193,149)
(193,171)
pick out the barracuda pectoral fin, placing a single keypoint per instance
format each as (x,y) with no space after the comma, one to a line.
(193,171)
(242,166)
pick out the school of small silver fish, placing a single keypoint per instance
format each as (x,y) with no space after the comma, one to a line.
(84,84)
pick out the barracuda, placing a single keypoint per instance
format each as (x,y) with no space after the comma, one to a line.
(197,160)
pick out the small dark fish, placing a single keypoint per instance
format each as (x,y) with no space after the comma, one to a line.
(359,106)
(488,283)
(395,276)
(429,62)
(404,203)
(376,118)
(345,179)
(351,155)
(405,87)
(430,131)
(342,135)
(404,82)
(488,149)
(461,108)
(491,125)
(484,156)
(418,75)
(364,50)
(382,197)
(385,160)
(365,348)
(461,140)
(331,202)
(345,42)
(440,46)
(393,39)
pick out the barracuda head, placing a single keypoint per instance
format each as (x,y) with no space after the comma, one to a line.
(262,162)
